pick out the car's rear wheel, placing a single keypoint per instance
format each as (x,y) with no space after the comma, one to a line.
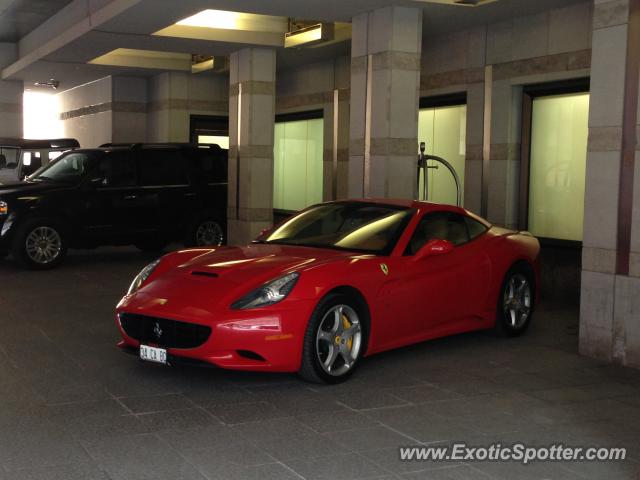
(205,232)
(40,244)
(515,303)
(335,340)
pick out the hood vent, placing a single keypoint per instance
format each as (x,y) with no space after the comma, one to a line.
(204,274)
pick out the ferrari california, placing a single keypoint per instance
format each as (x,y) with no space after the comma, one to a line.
(333,284)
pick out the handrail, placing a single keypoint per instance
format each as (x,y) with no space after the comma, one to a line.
(451,169)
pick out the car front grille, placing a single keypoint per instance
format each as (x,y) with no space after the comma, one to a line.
(164,332)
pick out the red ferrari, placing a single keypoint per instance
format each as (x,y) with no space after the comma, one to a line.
(335,283)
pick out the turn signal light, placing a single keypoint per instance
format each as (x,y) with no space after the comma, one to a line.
(4,209)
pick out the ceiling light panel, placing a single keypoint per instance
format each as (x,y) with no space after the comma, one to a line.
(227,20)
(126,57)
(231,27)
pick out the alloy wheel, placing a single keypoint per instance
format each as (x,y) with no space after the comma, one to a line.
(517,301)
(209,233)
(43,245)
(339,340)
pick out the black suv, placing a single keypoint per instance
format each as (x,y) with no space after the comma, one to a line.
(145,194)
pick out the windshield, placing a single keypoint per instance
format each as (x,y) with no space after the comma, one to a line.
(9,160)
(357,226)
(68,168)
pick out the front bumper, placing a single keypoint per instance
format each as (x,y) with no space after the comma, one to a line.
(268,339)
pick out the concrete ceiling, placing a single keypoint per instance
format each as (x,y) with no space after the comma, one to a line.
(61,47)
(19,17)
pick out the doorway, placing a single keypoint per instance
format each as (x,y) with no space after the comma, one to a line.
(442,126)
(552,180)
(209,130)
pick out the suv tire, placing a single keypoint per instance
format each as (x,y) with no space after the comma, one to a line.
(205,231)
(40,244)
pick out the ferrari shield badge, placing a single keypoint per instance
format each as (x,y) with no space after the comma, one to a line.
(384,268)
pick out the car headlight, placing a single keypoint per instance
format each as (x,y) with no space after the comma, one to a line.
(142,277)
(4,208)
(271,292)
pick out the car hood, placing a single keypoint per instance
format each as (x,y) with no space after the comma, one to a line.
(18,189)
(207,279)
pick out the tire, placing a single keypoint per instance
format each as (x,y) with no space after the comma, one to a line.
(327,338)
(206,231)
(40,244)
(515,302)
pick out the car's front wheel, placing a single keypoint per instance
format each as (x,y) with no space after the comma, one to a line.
(40,244)
(335,340)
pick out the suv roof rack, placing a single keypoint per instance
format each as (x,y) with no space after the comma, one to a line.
(168,144)
(62,143)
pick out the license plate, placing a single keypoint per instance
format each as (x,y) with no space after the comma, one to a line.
(153,354)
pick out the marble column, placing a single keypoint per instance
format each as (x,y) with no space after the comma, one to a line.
(385,90)
(251,131)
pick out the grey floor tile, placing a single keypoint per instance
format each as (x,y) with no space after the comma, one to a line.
(270,471)
(456,472)
(205,438)
(268,430)
(369,399)
(425,393)
(375,438)
(299,447)
(40,448)
(341,467)
(324,422)
(389,459)
(87,471)
(246,412)
(157,403)
(176,419)
(140,457)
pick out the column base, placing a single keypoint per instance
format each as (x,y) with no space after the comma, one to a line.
(243,232)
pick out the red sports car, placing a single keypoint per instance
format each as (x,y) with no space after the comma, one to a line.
(337,282)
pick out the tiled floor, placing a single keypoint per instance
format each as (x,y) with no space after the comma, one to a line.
(74,407)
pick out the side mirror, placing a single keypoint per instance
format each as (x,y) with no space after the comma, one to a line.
(434,247)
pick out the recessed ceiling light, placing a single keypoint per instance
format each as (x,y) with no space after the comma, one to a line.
(227,20)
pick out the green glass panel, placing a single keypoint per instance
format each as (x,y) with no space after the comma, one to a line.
(557,166)
(443,129)
(298,152)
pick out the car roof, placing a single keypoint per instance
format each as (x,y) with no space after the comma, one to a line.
(399,202)
(420,205)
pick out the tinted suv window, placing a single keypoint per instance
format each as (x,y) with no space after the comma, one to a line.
(160,167)
(213,167)
(118,169)
(441,226)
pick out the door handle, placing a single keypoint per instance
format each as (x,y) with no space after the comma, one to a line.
(130,197)
(190,194)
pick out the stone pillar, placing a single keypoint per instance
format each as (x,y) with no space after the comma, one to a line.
(504,165)
(385,90)
(251,130)
(10,97)
(610,300)
(336,134)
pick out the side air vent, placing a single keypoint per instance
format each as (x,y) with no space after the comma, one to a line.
(251,355)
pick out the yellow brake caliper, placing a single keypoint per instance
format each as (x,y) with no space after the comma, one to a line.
(347,324)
